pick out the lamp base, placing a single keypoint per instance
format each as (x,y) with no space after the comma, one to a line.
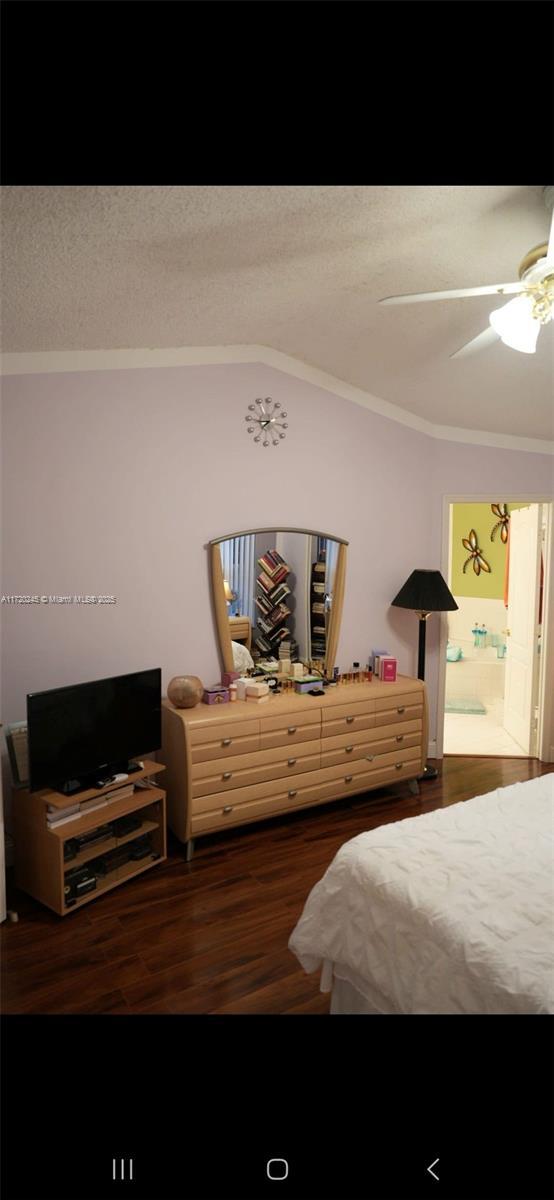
(429,772)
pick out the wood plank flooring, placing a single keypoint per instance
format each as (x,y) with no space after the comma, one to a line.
(210,936)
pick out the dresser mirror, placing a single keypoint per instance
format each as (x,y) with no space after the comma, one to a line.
(278,590)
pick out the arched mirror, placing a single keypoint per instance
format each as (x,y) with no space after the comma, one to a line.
(278,594)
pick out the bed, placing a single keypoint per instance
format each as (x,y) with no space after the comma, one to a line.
(447,912)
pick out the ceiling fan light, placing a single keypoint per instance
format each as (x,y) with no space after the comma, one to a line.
(515,324)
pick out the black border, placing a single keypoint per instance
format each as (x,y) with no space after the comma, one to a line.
(347,91)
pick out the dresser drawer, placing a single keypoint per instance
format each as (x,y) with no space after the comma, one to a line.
(354,736)
(224,747)
(244,769)
(399,714)
(349,722)
(358,708)
(384,703)
(258,791)
(366,750)
(218,730)
(228,815)
(307,716)
(292,733)
(362,781)
(371,762)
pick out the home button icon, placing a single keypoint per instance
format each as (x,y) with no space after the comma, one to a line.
(277,1168)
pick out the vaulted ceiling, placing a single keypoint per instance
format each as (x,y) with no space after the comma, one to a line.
(299,269)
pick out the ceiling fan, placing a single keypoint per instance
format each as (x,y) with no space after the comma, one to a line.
(518,322)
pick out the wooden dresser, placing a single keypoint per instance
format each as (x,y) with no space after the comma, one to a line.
(233,763)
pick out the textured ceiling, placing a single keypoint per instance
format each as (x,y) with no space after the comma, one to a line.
(299,269)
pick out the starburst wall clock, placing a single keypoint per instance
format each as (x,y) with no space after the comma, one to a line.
(265,421)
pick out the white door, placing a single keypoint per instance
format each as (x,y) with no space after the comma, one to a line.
(522,657)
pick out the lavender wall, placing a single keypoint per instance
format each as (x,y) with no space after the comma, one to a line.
(115,481)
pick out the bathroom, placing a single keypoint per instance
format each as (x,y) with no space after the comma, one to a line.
(478,631)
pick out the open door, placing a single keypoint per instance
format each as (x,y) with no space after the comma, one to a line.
(522,654)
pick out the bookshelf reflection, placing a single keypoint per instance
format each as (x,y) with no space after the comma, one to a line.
(284,594)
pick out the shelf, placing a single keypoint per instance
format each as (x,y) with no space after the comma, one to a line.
(106,844)
(120,875)
(58,800)
(100,816)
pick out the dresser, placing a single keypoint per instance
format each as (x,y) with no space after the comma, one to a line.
(234,763)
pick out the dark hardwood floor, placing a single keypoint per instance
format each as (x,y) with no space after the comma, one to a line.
(211,936)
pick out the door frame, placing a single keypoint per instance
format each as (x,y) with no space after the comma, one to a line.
(545,732)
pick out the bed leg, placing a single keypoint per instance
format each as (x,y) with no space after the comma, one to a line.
(189,850)
(414,787)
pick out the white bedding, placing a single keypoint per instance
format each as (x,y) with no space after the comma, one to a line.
(448,912)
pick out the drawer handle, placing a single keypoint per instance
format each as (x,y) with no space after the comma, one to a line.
(401,710)
(348,778)
(398,766)
(292,792)
(226,775)
(349,720)
(370,757)
(400,737)
(292,729)
(226,741)
(348,749)
(228,808)
(291,762)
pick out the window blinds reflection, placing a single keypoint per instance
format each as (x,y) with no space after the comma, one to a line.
(239,565)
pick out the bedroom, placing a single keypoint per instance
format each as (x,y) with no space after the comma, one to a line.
(142,324)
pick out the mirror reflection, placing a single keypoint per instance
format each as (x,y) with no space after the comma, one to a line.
(279,588)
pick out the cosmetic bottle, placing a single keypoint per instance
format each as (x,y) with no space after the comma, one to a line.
(355,672)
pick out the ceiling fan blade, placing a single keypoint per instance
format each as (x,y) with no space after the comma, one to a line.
(481,342)
(493,289)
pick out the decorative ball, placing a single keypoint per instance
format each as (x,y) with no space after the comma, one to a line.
(185,691)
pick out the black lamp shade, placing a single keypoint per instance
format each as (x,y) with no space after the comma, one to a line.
(425,591)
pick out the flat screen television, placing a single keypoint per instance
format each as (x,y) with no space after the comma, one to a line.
(81,736)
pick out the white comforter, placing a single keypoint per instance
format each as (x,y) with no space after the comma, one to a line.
(448,912)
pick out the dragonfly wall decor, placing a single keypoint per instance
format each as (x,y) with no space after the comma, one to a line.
(501,510)
(475,554)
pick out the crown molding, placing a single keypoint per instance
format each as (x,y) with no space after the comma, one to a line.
(64,361)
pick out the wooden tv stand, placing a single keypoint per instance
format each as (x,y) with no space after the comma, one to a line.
(40,867)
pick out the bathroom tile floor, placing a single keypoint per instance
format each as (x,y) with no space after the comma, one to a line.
(466,733)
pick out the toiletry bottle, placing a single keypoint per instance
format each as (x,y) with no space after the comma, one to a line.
(355,672)
(232,691)
(475,632)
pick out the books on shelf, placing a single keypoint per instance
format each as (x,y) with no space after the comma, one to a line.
(266,583)
(271,562)
(279,593)
(263,603)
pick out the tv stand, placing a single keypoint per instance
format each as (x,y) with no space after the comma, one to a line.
(72,786)
(45,870)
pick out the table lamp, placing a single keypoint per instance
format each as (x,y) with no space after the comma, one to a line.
(425,592)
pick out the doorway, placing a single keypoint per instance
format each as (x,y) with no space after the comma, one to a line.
(492,659)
